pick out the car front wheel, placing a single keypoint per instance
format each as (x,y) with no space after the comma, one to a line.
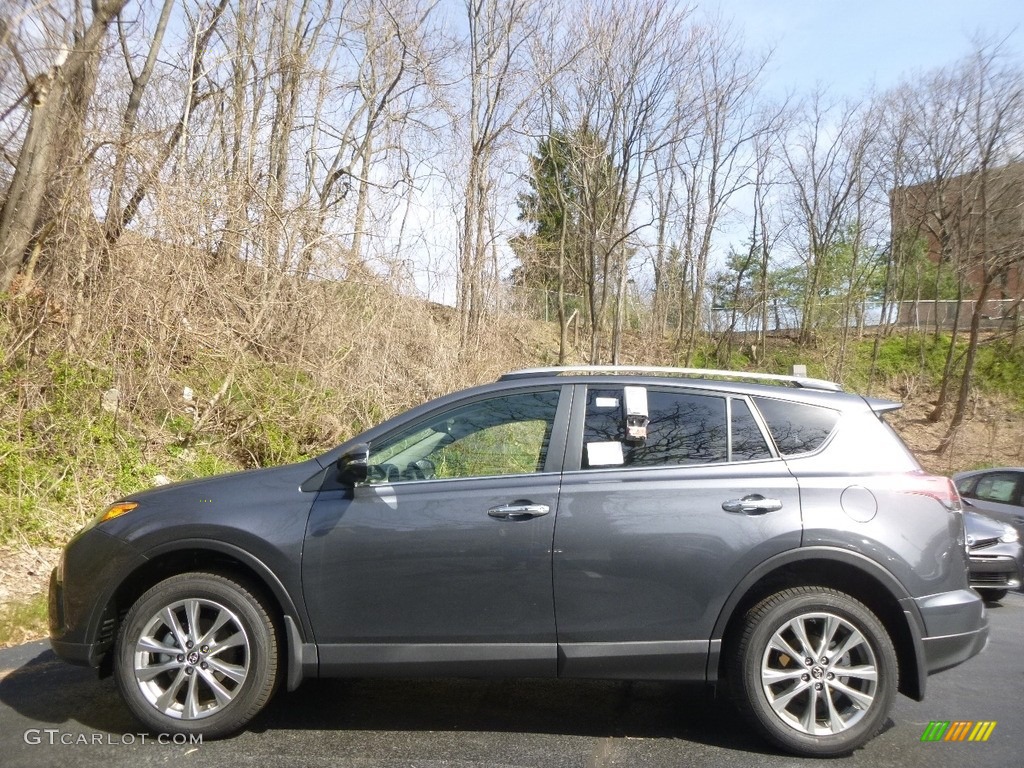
(815,671)
(197,653)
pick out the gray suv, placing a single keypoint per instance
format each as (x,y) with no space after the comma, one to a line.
(767,535)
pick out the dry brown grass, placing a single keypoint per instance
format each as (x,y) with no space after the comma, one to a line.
(280,367)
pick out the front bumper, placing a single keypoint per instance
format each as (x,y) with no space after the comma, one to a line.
(85,653)
(82,613)
(990,570)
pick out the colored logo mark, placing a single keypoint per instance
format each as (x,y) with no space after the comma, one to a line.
(958,730)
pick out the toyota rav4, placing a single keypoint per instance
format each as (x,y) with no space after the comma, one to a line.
(768,535)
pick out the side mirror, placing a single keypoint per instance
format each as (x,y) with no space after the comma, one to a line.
(353,465)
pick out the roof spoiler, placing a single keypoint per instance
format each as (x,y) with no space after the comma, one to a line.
(880,406)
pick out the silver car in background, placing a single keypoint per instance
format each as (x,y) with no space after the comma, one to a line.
(997,493)
(996,555)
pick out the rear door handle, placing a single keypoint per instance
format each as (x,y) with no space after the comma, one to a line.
(754,504)
(518,511)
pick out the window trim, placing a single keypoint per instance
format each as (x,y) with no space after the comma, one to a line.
(766,434)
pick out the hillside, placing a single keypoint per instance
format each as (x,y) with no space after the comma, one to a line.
(175,386)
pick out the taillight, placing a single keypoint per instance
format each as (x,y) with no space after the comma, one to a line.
(934,486)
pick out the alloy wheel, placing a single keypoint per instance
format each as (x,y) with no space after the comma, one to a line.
(192,658)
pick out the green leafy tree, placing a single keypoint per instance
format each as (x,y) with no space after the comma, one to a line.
(574,237)
(568,211)
(548,208)
(920,278)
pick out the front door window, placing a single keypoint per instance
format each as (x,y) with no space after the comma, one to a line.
(506,435)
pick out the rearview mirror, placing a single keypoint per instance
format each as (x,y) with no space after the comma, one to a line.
(353,465)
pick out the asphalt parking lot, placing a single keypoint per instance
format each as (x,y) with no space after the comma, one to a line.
(52,713)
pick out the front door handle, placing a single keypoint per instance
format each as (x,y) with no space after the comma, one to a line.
(518,510)
(754,504)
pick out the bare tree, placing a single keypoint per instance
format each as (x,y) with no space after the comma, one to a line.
(139,80)
(55,106)
(765,232)
(202,32)
(824,155)
(934,152)
(497,64)
(618,102)
(717,159)
(891,160)
(552,54)
(993,190)
(393,65)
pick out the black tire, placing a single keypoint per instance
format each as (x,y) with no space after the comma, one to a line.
(794,692)
(215,676)
(994,595)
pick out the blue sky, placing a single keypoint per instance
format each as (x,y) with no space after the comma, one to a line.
(850,45)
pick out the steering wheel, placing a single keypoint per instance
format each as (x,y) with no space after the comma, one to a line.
(384,473)
(420,470)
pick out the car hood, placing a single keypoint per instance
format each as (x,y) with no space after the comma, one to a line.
(981,529)
(257,502)
(249,477)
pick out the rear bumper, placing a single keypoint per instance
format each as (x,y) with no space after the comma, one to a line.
(955,628)
(945,652)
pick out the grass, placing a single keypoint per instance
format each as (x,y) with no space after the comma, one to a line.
(59,449)
(998,370)
(63,457)
(23,621)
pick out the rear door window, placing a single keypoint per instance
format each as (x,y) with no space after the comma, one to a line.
(685,428)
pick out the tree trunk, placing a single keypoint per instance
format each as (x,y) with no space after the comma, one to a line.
(112,223)
(969,359)
(19,217)
(947,371)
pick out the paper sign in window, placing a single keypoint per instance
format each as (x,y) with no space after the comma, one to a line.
(606,402)
(604,454)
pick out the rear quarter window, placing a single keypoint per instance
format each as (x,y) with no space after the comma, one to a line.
(796,427)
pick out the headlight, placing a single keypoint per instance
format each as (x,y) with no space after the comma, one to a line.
(115,510)
(1010,535)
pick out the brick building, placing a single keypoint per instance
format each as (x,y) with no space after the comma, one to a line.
(974,221)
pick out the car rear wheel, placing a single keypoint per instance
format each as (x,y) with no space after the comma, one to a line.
(815,671)
(197,653)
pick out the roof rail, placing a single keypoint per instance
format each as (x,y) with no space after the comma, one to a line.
(796,381)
